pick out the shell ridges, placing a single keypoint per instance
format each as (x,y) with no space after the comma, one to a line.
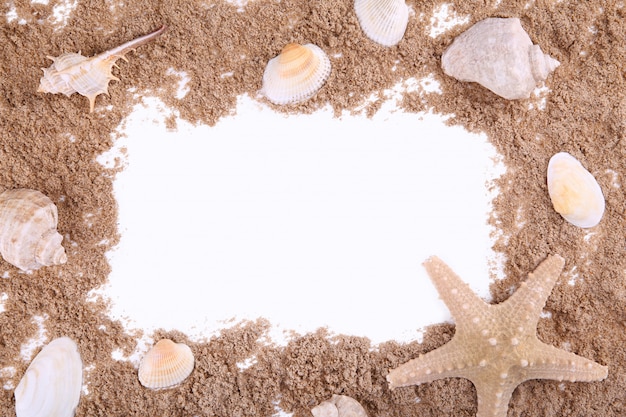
(166,365)
(296,74)
(383,21)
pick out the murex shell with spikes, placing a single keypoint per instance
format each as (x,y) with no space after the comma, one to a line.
(73,73)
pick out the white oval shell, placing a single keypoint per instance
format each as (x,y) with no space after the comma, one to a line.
(498,54)
(575,193)
(383,21)
(296,74)
(165,365)
(52,383)
(28,235)
(339,406)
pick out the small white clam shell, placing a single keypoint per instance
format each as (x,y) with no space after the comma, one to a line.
(575,193)
(339,406)
(166,365)
(52,383)
(498,54)
(28,235)
(296,74)
(383,21)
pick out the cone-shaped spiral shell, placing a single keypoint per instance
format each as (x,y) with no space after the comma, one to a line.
(73,73)
(52,383)
(383,21)
(28,235)
(575,193)
(296,74)
(165,365)
(498,54)
(339,406)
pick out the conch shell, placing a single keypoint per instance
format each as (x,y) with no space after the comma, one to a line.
(383,21)
(296,74)
(28,234)
(73,73)
(498,54)
(575,193)
(166,365)
(339,406)
(52,383)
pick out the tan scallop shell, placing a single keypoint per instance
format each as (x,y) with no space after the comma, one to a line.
(165,365)
(383,21)
(52,383)
(296,74)
(73,73)
(339,406)
(28,234)
(498,54)
(575,193)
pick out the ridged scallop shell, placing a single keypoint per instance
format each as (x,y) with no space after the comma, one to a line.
(498,54)
(73,73)
(165,365)
(383,21)
(339,406)
(296,74)
(575,193)
(28,234)
(52,383)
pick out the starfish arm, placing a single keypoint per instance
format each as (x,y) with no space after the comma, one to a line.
(548,362)
(443,362)
(531,296)
(455,293)
(493,400)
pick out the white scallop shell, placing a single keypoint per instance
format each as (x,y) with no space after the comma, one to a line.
(339,406)
(28,234)
(575,193)
(73,73)
(52,383)
(165,365)
(498,54)
(383,21)
(296,74)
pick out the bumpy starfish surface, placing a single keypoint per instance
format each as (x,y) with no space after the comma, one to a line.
(496,346)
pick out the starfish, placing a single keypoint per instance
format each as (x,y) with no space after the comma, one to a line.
(495,346)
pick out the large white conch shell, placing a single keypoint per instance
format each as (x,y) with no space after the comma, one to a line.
(383,21)
(339,406)
(166,365)
(498,54)
(28,234)
(73,73)
(296,74)
(575,193)
(52,383)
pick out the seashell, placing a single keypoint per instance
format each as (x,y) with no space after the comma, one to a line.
(296,74)
(383,21)
(73,73)
(28,234)
(339,406)
(165,365)
(498,54)
(52,383)
(575,193)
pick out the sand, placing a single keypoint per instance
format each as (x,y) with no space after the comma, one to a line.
(50,143)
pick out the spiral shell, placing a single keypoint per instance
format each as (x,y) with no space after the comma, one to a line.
(575,193)
(339,406)
(73,73)
(165,365)
(296,74)
(51,385)
(498,54)
(383,21)
(28,235)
